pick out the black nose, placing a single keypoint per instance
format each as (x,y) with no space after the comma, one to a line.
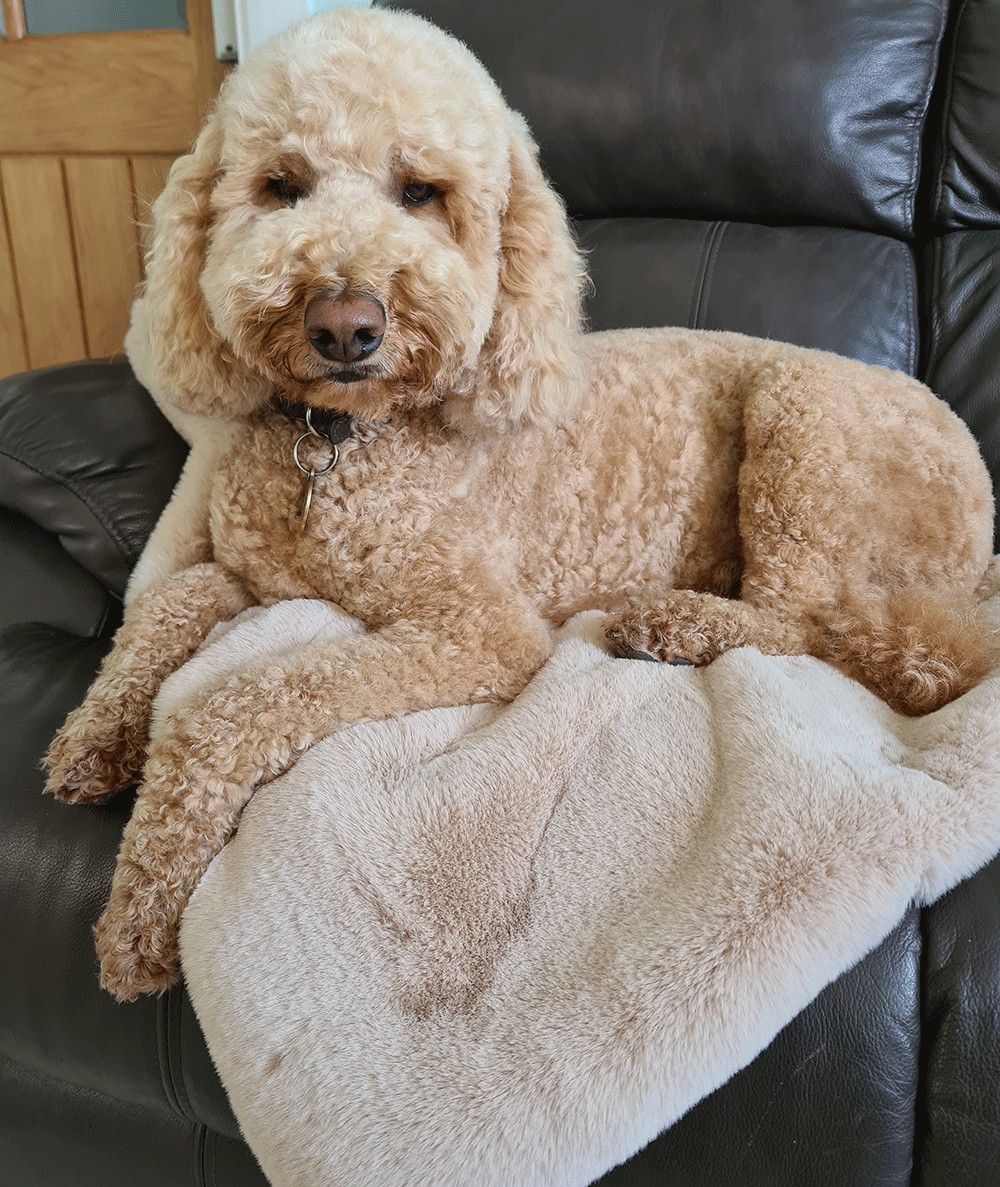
(346,327)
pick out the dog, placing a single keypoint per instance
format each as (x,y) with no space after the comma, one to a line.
(362,270)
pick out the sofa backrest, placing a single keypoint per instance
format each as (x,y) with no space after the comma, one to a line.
(826,174)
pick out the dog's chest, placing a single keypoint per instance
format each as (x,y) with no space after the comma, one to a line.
(365,515)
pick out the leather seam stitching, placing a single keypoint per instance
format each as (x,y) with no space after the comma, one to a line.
(696,291)
(162,1062)
(723,227)
(175,1020)
(705,267)
(919,120)
(103,622)
(946,112)
(911,313)
(936,303)
(212,1140)
(200,1140)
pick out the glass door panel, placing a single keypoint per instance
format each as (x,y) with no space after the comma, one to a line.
(99,16)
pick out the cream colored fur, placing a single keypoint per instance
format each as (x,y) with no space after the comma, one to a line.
(506,946)
(505,470)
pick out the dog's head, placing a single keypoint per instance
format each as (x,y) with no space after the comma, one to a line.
(362,224)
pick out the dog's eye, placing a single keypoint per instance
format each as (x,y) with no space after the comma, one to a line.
(284,190)
(416,193)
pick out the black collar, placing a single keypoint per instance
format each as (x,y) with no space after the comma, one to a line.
(324,422)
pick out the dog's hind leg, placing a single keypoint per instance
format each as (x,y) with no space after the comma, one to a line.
(877,542)
(862,548)
(916,651)
(788,541)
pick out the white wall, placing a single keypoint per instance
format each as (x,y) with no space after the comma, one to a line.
(241,25)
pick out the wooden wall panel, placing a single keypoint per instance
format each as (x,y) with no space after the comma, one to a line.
(73,256)
(38,219)
(101,93)
(99,190)
(149,175)
(13,356)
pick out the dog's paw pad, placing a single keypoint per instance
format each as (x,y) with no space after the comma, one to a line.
(629,652)
(675,661)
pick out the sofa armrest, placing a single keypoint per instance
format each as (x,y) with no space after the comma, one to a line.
(87,458)
(56,862)
(41,583)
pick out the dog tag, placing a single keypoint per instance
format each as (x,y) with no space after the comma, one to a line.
(299,523)
(307,498)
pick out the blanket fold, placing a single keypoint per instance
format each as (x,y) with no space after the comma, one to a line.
(510,945)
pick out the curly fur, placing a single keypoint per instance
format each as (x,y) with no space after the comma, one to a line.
(505,471)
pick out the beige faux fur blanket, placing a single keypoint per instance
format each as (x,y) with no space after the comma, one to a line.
(509,945)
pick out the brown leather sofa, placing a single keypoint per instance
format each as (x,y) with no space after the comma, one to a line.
(820,171)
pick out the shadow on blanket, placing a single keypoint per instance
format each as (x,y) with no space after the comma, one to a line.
(512,944)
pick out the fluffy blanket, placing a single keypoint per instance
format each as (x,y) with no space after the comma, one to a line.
(509,945)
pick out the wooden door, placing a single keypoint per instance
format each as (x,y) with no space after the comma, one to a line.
(89,124)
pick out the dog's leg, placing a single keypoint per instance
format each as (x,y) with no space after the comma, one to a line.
(916,651)
(867,559)
(203,770)
(102,745)
(874,546)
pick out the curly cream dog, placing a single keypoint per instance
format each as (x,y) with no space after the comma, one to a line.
(363,226)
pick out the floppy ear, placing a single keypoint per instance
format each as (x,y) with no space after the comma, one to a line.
(532,354)
(172,343)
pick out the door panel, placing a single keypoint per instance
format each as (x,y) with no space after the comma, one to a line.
(13,353)
(99,92)
(38,219)
(98,117)
(105,243)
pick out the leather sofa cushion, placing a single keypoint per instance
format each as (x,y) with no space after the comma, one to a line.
(86,455)
(713,106)
(104,1140)
(968,192)
(67,1135)
(961,1036)
(40,582)
(54,879)
(847,291)
(963,313)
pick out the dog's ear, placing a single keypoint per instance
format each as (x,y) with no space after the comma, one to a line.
(532,354)
(172,343)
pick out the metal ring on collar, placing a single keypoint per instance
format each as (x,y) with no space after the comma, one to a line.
(310,426)
(308,470)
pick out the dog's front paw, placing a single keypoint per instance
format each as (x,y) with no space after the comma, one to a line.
(185,811)
(95,754)
(136,941)
(672,638)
